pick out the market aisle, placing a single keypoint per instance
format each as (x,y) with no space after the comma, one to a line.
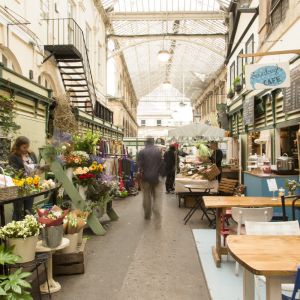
(137,261)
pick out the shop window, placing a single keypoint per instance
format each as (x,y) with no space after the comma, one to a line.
(143,122)
(277,13)
(4,60)
(158,122)
(232,73)
(250,49)
(240,67)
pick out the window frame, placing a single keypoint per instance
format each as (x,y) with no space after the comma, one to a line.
(250,42)
(232,72)
(158,123)
(143,122)
(240,64)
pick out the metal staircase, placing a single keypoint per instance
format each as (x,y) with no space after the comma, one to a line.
(66,43)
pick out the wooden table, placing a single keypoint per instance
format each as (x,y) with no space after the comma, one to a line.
(258,256)
(220,203)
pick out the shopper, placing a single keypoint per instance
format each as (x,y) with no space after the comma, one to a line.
(170,163)
(24,160)
(216,157)
(151,168)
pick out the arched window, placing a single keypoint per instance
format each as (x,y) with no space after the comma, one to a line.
(9,60)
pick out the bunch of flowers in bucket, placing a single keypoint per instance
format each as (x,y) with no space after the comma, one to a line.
(75,159)
(22,236)
(28,184)
(85,175)
(51,217)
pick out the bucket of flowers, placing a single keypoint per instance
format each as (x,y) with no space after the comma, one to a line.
(52,220)
(74,223)
(22,236)
(74,159)
(27,185)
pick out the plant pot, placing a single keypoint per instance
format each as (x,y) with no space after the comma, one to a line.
(73,238)
(82,191)
(80,236)
(230,95)
(25,248)
(52,236)
(238,88)
(69,173)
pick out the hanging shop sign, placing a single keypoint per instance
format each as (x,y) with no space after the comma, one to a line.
(267,76)
(291,95)
(248,111)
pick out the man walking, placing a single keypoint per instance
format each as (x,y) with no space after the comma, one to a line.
(151,167)
(170,163)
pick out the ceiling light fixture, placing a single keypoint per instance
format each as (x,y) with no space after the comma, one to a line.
(167,84)
(163,55)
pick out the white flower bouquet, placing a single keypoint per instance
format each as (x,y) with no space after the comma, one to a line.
(26,228)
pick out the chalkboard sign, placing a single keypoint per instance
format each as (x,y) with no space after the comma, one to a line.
(248,111)
(291,95)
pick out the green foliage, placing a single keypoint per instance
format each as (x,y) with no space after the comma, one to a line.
(203,150)
(86,142)
(237,81)
(7,116)
(13,286)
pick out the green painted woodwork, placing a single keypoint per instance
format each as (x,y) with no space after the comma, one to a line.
(77,200)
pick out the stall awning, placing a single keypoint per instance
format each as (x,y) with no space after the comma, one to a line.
(197,130)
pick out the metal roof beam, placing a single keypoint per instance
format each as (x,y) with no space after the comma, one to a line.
(170,16)
(165,36)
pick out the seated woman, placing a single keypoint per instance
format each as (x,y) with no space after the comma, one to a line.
(22,159)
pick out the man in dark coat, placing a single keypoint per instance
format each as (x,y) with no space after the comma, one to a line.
(170,163)
(216,157)
(151,167)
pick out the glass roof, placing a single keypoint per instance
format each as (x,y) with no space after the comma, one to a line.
(193,32)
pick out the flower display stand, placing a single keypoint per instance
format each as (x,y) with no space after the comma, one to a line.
(77,200)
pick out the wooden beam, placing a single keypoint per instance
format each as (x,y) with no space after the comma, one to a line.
(279,52)
(170,16)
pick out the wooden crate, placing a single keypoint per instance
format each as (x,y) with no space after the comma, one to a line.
(70,263)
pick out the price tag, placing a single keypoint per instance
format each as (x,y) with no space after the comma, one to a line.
(272,184)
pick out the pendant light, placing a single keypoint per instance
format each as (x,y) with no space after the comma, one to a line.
(164,55)
(167,84)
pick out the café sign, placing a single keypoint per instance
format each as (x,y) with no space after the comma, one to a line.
(267,76)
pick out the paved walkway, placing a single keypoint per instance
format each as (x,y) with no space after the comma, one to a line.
(137,261)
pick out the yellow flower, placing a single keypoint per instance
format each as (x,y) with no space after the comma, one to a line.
(100,168)
(29,180)
(36,180)
(93,167)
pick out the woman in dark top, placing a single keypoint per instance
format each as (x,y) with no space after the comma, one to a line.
(25,161)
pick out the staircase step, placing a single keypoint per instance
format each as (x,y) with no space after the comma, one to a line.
(74,79)
(80,91)
(75,85)
(73,73)
(76,97)
(70,67)
(76,102)
(69,60)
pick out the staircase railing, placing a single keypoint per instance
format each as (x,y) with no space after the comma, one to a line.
(66,31)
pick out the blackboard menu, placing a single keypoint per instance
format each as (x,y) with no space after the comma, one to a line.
(291,95)
(248,111)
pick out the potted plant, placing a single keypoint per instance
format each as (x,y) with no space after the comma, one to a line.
(13,286)
(237,84)
(23,236)
(230,93)
(52,220)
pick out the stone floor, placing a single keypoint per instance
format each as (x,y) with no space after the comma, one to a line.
(137,261)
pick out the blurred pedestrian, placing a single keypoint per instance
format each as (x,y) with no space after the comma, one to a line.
(151,167)
(170,163)
(216,157)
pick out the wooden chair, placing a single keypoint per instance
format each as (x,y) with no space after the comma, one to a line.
(241,215)
(273,228)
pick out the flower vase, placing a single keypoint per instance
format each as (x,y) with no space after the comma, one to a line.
(72,248)
(69,173)
(25,248)
(82,191)
(52,236)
